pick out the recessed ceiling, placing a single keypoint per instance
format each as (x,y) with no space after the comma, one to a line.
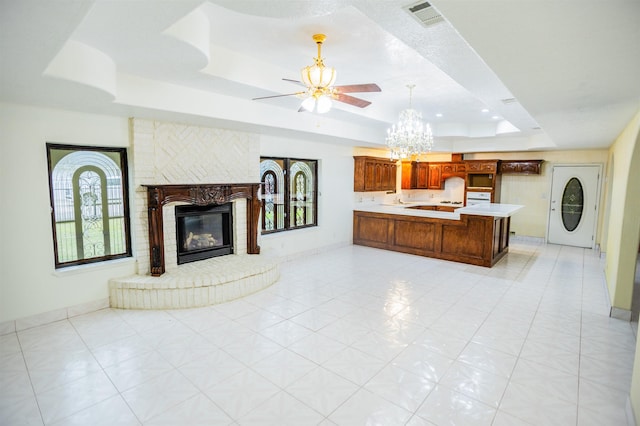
(491,76)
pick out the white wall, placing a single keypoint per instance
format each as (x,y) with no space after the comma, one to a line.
(29,283)
(533,191)
(335,198)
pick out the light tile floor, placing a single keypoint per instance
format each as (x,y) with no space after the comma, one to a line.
(357,336)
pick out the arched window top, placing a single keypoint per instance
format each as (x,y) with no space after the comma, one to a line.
(67,165)
(303,167)
(272,167)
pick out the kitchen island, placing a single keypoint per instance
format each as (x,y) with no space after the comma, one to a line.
(477,235)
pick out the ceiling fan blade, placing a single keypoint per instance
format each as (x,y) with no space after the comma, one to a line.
(294,81)
(351,100)
(353,88)
(277,96)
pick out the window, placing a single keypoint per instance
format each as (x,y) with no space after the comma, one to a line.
(289,193)
(89,208)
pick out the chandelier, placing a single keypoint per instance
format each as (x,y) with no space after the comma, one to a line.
(410,136)
(318,80)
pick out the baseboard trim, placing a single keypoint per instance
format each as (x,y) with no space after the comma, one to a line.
(631,418)
(7,327)
(621,314)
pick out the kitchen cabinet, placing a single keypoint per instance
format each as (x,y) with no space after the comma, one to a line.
(408,178)
(520,167)
(472,239)
(434,177)
(453,169)
(482,176)
(481,166)
(422,175)
(427,175)
(374,174)
(417,175)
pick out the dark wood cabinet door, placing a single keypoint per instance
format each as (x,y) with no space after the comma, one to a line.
(485,166)
(379,176)
(523,167)
(422,175)
(369,176)
(509,167)
(374,174)
(448,168)
(435,176)
(408,175)
(391,177)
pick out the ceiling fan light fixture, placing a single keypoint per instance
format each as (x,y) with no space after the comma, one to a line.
(318,102)
(323,104)
(318,76)
(319,89)
(309,104)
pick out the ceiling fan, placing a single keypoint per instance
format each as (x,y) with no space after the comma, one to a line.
(319,89)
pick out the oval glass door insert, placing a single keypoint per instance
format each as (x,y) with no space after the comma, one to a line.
(572,204)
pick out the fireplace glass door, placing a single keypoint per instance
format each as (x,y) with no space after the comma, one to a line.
(203,232)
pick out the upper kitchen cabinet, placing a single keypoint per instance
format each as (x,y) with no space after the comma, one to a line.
(481,166)
(521,167)
(422,175)
(417,175)
(481,174)
(374,174)
(434,177)
(409,175)
(457,169)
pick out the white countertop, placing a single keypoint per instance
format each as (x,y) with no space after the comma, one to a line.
(493,209)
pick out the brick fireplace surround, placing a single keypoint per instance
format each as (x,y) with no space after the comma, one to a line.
(166,155)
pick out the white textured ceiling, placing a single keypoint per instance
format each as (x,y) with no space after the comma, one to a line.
(571,65)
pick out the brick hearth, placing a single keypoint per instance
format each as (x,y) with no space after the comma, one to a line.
(202,283)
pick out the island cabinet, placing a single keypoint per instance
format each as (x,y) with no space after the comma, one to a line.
(374,174)
(472,239)
(520,167)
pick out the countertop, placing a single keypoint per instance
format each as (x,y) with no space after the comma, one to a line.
(492,209)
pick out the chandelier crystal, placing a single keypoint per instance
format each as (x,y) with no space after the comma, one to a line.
(410,136)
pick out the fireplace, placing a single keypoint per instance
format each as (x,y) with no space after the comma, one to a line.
(203,232)
(199,195)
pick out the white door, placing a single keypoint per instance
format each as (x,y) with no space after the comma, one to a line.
(574,205)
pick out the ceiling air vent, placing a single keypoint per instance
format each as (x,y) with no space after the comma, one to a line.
(426,14)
